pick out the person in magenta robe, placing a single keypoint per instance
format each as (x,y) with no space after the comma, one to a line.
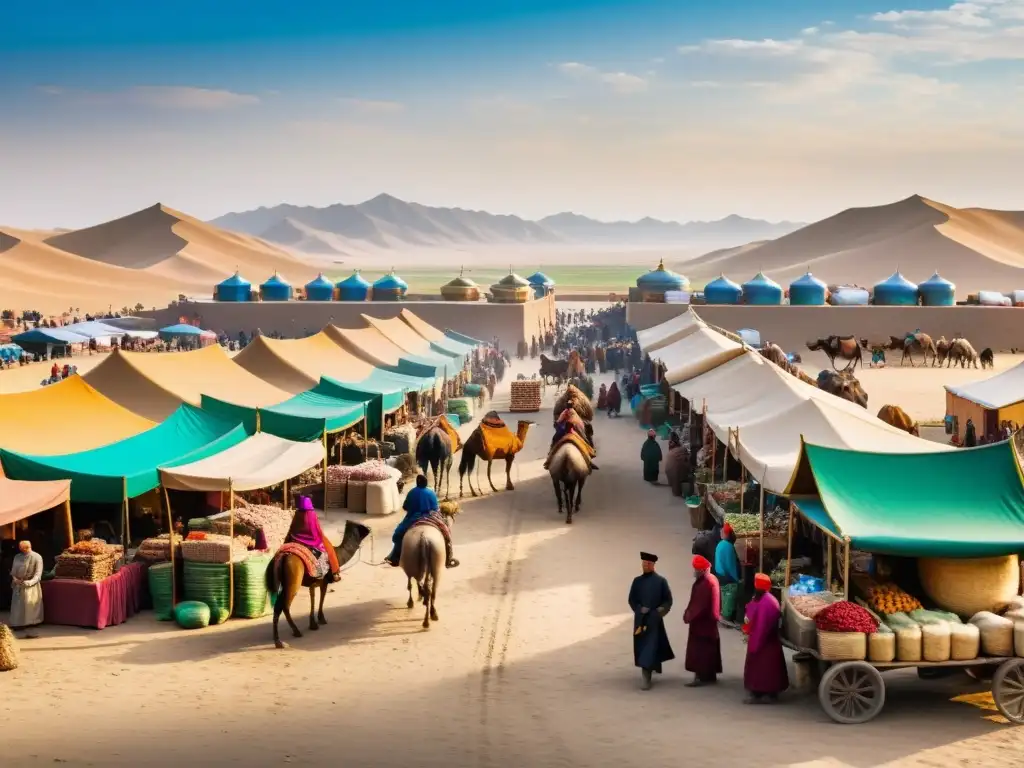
(764,672)
(703,646)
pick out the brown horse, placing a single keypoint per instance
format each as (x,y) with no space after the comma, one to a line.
(293,577)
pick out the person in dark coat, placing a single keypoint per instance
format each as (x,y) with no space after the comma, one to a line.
(650,455)
(970,435)
(650,599)
(703,647)
(764,671)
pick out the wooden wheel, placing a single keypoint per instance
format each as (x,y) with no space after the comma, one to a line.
(852,692)
(1008,690)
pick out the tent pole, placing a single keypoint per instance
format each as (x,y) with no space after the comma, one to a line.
(285,506)
(789,546)
(126,531)
(846,570)
(828,565)
(325,470)
(231,549)
(258,425)
(761,561)
(68,523)
(170,543)
(725,455)
(366,434)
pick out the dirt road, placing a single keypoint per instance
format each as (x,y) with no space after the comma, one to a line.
(530,664)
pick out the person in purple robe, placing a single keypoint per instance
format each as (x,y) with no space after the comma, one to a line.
(703,646)
(764,671)
(305,530)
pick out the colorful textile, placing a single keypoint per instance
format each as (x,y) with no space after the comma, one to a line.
(309,560)
(74,603)
(764,671)
(306,530)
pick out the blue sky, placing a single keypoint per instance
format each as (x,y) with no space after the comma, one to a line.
(683,110)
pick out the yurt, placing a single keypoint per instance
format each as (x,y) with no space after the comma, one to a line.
(389,288)
(276,288)
(542,284)
(937,291)
(655,284)
(895,291)
(511,289)
(762,290)
(235,288)
(808,291)
(460,289)
(354,288)
(319,289)
(722,290)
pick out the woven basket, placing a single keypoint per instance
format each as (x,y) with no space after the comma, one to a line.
(161,585)
(336,494)
(251,599)
(935,642)
(9,658)
(967,586)
(882,646)
(356,496)
(843,646)
(213,549)
(192,615)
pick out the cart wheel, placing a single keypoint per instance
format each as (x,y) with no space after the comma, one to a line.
(852,692)
(1008,690)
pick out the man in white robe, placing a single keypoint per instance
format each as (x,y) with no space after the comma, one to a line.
(27,598)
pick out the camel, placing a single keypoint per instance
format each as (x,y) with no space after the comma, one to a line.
(941,349)
(434,449)
(987,358)
(843,384)
(961,351)
(423,560)
(842,347)
(293,576)
(492,440)
(915,342)
(569,470)
(776,354)
(895,416)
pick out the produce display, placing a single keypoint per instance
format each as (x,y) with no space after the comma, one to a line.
(889,598)
(88,561)
(525,396)
(373,471)
(776,522)
(273,522)
(201,547)
(743,524)
(810,606)
(156,549)
(845,616)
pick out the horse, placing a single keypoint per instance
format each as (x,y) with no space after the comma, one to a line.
(293,576)
(424,559)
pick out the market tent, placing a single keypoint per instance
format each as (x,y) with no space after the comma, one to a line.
(463,338)
(679,327)
(411,343)
(270,360)
(154,385)
(258,462)
(872,499)
(438,341)
(988,402)
(49,336)
(128,468)
(374,347)
(184,331)
(95,329)
(20,499)
(769,448)
(697,353)
(67,416)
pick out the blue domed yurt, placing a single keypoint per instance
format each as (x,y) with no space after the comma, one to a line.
(389,288)
(808,291)
(653,285)
(722,290)
(762,290)
(235,288)
(319,289)
(895,291)
(354,288)
(276,288)
(542,284)
(937,291)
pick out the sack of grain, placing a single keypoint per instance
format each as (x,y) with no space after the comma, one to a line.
(964,642)
(908,636)
(842,646)
(1018,638)
(9,658)
(996,633)
(381,497)
(882,644)
(966,586)
(935,642)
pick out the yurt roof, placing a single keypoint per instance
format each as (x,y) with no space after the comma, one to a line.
(355,279)
(897,280)
(320,282)
(276,279)
(937,280)
(809,279)
(235,279)
(539,278)
(761,279)
(661,277)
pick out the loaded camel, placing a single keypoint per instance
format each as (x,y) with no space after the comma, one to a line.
(287,573)
(841,347)
(842,384)
(915,342)
(492,440)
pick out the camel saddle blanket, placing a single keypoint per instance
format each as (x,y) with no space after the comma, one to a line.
(498,440)
(575,438)
(309,562)
(435,521)
(453,435)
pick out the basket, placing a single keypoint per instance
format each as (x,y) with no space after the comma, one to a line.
(192,615)
(935,642)
(698,513)
(215,548)
(797,628)
(251,599)
(335,497)
(9,658)
(356,496)
(882,646)
(842,646)
(209,583)
(161,589)
(967,586)
(964,642)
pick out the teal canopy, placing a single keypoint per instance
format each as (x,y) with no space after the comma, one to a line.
(463,338)
(891,503)
(450,348)
(129,467)
(304,417)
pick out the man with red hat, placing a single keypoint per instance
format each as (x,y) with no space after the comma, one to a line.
(650,599)
(703,647)
(764,671)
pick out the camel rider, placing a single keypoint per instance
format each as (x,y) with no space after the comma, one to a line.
(911,337)
(420,504)
(305,530)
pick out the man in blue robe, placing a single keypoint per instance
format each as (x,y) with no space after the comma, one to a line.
(420,504)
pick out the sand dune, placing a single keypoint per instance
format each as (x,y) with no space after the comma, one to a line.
(975,248)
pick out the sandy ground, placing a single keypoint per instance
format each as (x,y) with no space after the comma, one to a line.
(530,664)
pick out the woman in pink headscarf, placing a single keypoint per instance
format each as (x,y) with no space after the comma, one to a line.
(306,530)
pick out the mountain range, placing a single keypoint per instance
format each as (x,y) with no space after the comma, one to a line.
(389,223)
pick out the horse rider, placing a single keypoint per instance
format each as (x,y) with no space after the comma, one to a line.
(420,504)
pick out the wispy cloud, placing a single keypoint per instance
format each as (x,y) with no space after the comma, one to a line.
(620,82)
(173,97)
(373,107)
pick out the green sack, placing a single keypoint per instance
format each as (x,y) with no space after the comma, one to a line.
(192,614)
(161,576)
(251,587)
(209,583)
(729,592)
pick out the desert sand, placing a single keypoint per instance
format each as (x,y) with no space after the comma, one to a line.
(530,664)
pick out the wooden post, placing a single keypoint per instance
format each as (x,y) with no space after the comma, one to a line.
(285,494)
(258,425)
(170,544)
(789,546)
(126,530)
(231,543)
(761,562)
(828,565)
(68,523)
(725,456)
(325,470)
(366,433)
(846,569)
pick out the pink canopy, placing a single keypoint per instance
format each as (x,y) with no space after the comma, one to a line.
(20,499)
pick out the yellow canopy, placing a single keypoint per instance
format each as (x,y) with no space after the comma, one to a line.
(400,334)
(296,365)
(369,344)
(65,417)
(422,327)
(154,385)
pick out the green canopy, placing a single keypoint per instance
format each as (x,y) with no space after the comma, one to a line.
(964,503)
(304,417)
(129,467)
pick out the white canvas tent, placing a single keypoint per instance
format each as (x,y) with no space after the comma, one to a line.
(999,391)
(658,336)
(697,353)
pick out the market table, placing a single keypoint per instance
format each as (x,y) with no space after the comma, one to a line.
(75,603)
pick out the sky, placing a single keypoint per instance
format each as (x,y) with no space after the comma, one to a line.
(776,109)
